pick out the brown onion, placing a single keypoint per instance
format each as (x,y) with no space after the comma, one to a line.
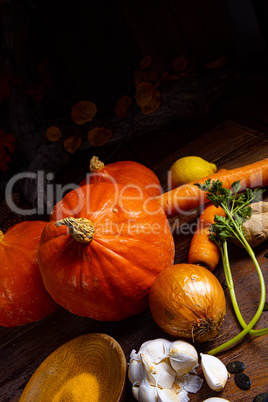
(188,301)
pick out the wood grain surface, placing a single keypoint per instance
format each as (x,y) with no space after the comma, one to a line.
(22,349)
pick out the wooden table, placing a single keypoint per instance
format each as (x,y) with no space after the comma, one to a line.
(24,348)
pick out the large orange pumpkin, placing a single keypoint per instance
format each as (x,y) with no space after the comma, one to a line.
(129,173)
(102,250)
(24,298)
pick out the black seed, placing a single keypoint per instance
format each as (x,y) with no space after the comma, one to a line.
(266,255)
(261,397)
(242,380)
(235,367)
(265,308)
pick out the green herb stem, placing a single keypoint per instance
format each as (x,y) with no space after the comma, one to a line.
(228,275)
(229,280)
(238,337)
(237,209)
(240,236)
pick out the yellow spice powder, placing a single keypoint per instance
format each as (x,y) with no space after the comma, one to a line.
(83,387)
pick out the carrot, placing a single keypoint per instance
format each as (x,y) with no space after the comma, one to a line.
(202,250)
(189,196)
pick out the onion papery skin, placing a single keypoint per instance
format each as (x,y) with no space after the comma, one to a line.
(188,301)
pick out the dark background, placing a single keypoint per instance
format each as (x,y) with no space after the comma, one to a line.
(90,49)
(55,53)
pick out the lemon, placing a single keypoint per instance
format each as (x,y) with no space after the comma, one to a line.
(190,168)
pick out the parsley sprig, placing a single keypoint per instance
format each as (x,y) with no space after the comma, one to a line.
(236,206)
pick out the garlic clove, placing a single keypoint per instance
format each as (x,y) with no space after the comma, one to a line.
(183,357)
(215,372)
(147,392)
(167,395)
(160,374)
(135,371)
(157,349)
(135,392)
(216,399)
(149,366)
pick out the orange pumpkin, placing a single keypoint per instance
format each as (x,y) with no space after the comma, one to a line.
(124,172)
(24,298)
(103,248)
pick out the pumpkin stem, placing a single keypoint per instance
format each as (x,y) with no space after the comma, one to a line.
(1,235)
(81,229)
(95,164)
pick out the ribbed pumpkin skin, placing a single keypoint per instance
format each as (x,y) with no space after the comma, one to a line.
(24,298)
(127,172)
(108,279)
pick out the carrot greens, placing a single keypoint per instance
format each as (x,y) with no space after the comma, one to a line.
(237,209)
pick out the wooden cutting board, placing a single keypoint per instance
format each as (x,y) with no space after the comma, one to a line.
(22,349)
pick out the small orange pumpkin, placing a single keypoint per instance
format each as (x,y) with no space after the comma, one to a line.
(124,172)
(24,298)
(103,248)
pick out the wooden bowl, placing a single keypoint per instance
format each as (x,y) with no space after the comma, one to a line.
(90,367)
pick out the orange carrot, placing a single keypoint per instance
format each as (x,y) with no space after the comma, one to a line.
(202,250)
(188,196)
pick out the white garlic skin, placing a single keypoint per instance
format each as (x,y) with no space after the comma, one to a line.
(183,357)
(189,383)
(135,371)
(215,372)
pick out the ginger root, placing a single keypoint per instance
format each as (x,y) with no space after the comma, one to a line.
(256,227)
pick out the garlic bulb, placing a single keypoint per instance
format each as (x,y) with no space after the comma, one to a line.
(159,371)
(183,357)
(215,372)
